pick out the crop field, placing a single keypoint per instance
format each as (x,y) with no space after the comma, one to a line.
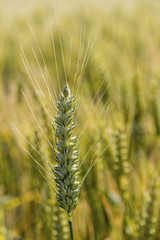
(80,120)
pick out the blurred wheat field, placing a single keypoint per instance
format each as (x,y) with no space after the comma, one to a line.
(118,113)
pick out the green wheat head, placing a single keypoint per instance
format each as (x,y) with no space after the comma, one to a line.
(66,171)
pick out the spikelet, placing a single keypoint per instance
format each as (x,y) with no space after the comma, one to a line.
(149,214)
(121,165)
(66,171)
(45,214)
(60,224)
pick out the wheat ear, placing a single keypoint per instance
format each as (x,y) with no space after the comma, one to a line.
(66,171)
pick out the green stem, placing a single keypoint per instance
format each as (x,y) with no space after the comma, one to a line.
(71,230)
